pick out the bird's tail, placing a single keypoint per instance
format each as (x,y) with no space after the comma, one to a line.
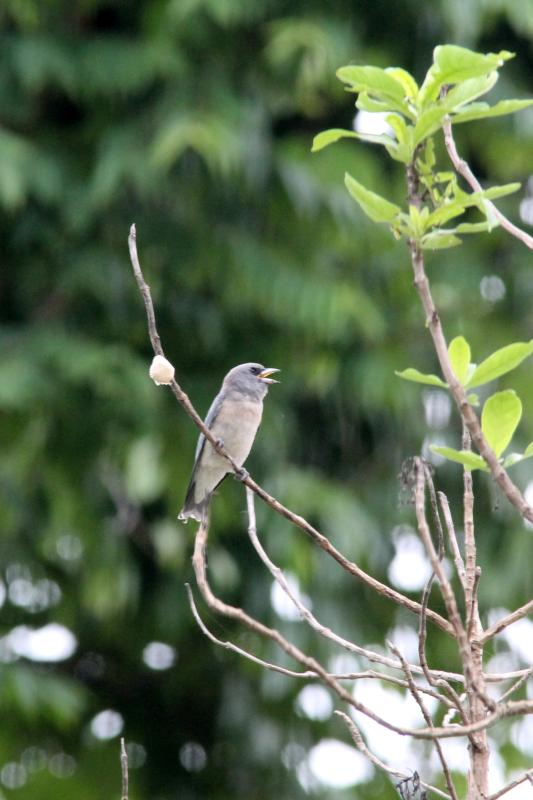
(193,509)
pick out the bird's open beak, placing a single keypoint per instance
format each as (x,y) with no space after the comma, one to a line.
(266,373)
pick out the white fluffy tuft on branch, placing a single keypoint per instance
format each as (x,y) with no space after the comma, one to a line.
(161,371)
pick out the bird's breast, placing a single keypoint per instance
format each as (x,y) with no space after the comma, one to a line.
(237,424)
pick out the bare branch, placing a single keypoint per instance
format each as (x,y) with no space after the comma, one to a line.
(363,748)
(446,589)
(312,621)
(450,529)
(319,538)
(451,699)
(463,169)
(504,622)
(473,622)
(499,677)
(473,573)
(526,776)
(307,674)
(124,768)
(516,685)
(506,710)
(239,650)
(233,612)
(422,631)
(427,717)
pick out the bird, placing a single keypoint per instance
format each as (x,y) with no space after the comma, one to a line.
(233,418)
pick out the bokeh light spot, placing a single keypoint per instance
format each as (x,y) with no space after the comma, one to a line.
(158,655)
(193,757)
(107,724)
(314,702)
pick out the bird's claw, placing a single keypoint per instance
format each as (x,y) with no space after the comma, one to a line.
(220,442)
(242,474)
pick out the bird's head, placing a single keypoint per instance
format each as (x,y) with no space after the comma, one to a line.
(250,379)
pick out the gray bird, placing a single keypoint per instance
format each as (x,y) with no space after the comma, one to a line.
(234,418)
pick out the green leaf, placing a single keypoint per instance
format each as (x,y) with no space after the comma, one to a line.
(374,206)
(411,374)
(449,210)
(409,84)
(428,123)
(469,90)
(494,192)
(328,137)
(459,353)
(516,458)
(473,399)
(474,227)
(461,201)
(367,103)
(501,361)
(439,240)
(468,459)
(484,110)
(529,450)
(399,126)
(499,419)
(453,64)
(375,81)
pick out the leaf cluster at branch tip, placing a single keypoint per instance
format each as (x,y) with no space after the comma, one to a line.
(451,89)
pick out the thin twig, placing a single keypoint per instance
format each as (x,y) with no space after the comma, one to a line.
(233,612)
(526,776)
(470,657)
(450,698)
(452,538)
(427,717)
(470,540)
(422,630)
(446,589)
(473,622)
(361,745)
(500,677)
(319,538)
(307,674)
(516,685)
(239,650)
(435,510)
(307,615)
(463,169)
(124,768)
(504,622)
(513,708)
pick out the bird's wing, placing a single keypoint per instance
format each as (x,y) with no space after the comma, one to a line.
(209,421)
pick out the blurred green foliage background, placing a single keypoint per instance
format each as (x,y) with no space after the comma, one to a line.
(194,119)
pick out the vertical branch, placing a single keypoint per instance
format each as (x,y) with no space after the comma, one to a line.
(427,717)
(470,542)
(450,528)
(124,768)
(478,744)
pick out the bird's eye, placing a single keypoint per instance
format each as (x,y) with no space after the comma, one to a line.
(255,370)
